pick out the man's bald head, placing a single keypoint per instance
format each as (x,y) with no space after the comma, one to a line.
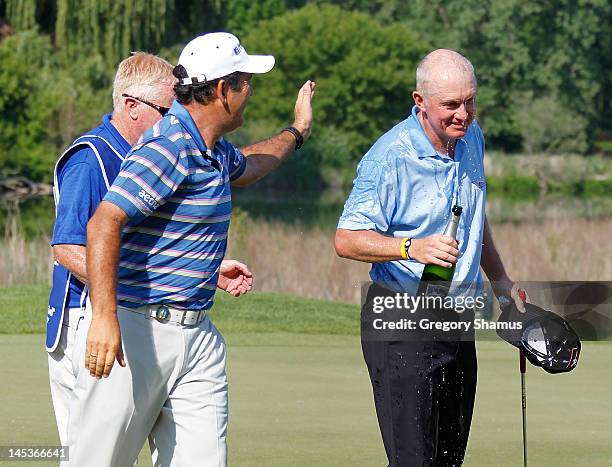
(441,67)
(445,97)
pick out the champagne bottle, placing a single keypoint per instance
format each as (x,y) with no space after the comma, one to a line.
(433,272)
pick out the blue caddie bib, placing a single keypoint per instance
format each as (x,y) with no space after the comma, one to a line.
(109,160)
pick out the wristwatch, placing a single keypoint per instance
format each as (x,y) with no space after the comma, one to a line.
(299,139)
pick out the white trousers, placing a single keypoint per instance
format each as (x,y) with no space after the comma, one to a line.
(173,391)
(61,374)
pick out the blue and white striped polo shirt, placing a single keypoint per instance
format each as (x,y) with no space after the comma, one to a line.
(177,194)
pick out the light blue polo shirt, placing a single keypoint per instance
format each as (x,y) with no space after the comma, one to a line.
(405,188)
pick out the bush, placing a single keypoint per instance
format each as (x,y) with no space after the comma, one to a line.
(513,186)
(364,70)
(547,126)
(604,146)
(597,187)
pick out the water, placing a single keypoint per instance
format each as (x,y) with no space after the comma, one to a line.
(322,209)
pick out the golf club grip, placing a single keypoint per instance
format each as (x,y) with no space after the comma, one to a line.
(522,362)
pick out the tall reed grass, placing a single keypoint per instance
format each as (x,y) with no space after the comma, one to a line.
(303,262)
(294,260)
(24,261)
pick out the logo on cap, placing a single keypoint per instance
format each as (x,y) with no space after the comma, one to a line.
(237,49)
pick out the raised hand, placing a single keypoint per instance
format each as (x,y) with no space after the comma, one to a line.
(303,108)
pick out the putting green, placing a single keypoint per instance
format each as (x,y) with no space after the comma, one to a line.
(305,400)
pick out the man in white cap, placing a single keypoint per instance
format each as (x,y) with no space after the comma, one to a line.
(154,247)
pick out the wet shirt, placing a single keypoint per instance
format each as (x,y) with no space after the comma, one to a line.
(82,189)
(177,194)
(405,188)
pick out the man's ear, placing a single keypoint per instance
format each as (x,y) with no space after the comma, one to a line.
(419,100)
(131,107)
(222,90)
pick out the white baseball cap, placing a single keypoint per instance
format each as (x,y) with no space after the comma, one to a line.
(218,54)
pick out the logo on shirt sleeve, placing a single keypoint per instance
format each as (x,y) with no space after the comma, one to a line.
(149,200)
(480,184)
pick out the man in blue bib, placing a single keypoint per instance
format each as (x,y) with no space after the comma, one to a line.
(142,94)
(394,218)
(154,249)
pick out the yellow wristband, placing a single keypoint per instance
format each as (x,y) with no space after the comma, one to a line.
(403,249)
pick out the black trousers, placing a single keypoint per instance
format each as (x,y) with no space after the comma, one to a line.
(424,395)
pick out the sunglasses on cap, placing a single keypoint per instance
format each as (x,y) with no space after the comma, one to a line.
(162,110)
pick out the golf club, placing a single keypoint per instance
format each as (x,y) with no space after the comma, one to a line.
(523,369)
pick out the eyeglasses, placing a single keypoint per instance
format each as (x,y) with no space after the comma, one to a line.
(162,110)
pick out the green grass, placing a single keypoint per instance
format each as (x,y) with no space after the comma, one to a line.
(304,399)
(24,309)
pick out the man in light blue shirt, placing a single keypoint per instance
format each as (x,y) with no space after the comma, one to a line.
(401,201)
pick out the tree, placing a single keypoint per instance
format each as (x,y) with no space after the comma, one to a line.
(24,146)
(557,52)
(243,15)
(45,103)
(547,127)
(364,70)
(112,29)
